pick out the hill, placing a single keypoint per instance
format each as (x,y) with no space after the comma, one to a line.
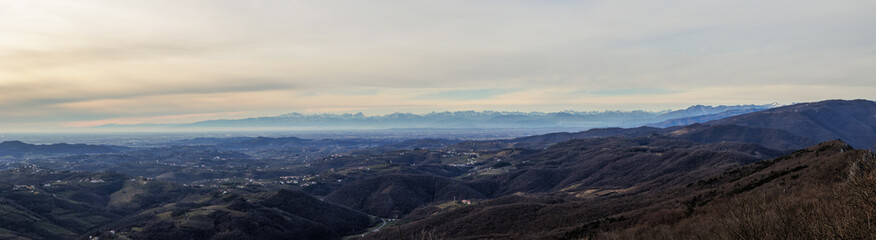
(774,196)
(852,121)
(783,128)
(19,149)
(815,193)
(283,214)
(702,118)
(47,204)
(767,137)
(394,195)
(546,140)
(617,164)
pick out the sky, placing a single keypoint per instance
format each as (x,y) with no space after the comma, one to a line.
(73,64)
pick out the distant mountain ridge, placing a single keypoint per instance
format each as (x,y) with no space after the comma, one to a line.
(467,119)
(18,148)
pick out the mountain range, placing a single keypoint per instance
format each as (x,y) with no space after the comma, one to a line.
(473,119)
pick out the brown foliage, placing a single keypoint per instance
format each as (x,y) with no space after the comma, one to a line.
(842,210)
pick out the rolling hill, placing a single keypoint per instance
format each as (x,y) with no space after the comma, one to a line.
(19,149)
(852,121)
(618,164)
(38,203)
(712,207)
(283,214)
(784,128)
(394,195)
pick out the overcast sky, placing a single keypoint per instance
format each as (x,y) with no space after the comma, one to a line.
(83,63)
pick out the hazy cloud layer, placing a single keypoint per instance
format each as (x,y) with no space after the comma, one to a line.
(71,63)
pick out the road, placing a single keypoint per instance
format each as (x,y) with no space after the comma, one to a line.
(376,229)
(381,226)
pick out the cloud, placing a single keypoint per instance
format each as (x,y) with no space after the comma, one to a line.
(462,95)
(633,91)
(124,59)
